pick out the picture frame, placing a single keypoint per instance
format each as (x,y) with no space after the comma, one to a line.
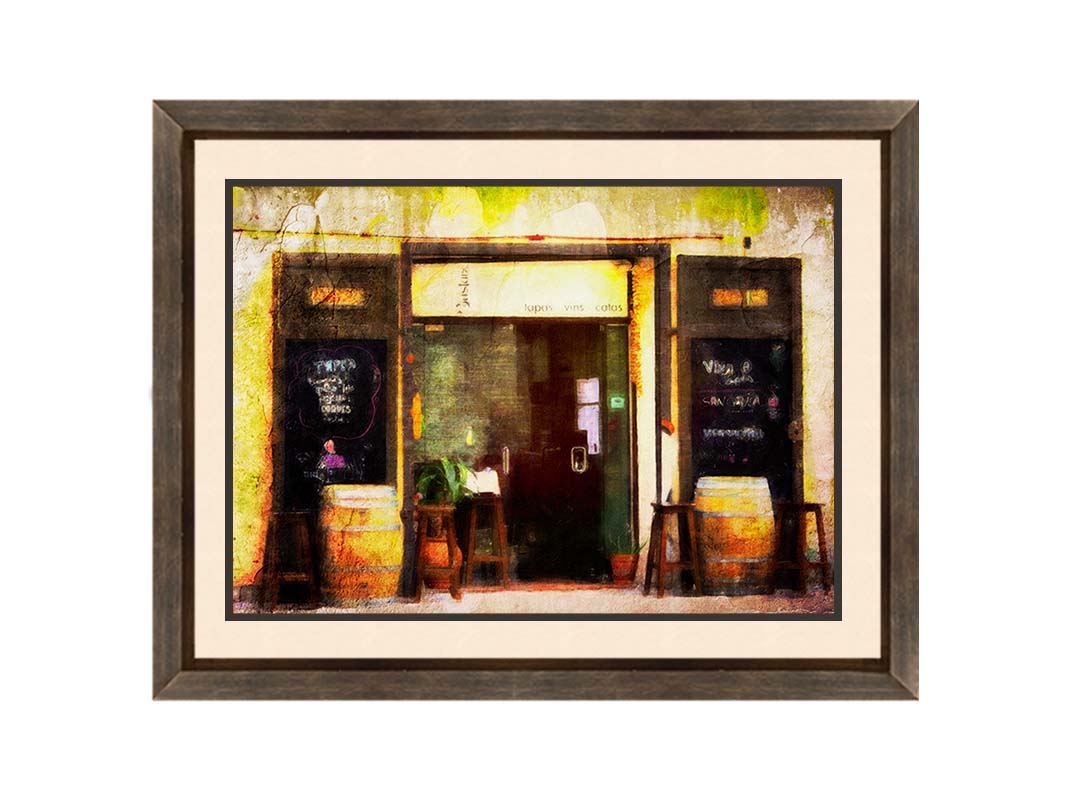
(178,674)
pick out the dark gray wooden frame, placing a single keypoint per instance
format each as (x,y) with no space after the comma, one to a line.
(178,675)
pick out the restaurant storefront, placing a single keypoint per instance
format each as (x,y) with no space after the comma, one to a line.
(590,377)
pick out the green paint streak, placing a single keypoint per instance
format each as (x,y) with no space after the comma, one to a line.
(500,202)
(725,204)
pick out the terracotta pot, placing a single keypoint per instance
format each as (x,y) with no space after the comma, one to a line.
(624,569)
(436,555)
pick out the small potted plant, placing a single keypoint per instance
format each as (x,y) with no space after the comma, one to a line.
(624,554)
(440,482)
(443,481)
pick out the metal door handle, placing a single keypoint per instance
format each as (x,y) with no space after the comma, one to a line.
(579,460)
(505,459)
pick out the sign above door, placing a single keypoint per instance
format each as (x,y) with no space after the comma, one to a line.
(564,289)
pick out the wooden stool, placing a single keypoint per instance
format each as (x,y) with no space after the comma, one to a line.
(498,534)
(657,549)
(425,531)
(275,572)
(799,512)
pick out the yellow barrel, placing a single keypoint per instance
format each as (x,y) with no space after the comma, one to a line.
(735,534)
(362,541)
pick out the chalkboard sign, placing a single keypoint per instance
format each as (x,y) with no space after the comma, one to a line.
(334,416)
(742,390)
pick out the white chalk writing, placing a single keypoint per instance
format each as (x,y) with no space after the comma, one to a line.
(731,375)
(733,434)
(333,380)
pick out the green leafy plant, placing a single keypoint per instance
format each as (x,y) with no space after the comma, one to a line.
(442,481)
(623,544)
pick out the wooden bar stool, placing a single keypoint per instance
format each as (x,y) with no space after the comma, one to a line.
(657,548)
(437,523)
(498,534)
(277,569)
(799,512)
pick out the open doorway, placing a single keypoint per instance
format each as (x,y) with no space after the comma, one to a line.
(546,405)
(556,480)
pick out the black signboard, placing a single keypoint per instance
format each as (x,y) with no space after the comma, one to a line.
(742,390)
(334,416)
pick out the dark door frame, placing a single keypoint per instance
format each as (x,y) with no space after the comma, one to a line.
(423,250)
(697,321)
(378,271)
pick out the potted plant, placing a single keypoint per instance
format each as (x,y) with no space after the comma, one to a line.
(443,481)
(624,552)
(440,482)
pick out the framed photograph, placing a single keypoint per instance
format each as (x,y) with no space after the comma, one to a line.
(536,400)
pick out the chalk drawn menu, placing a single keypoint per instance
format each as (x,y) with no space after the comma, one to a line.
(741,391)
(334,416)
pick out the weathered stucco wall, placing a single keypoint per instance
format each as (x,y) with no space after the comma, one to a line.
(781,222)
